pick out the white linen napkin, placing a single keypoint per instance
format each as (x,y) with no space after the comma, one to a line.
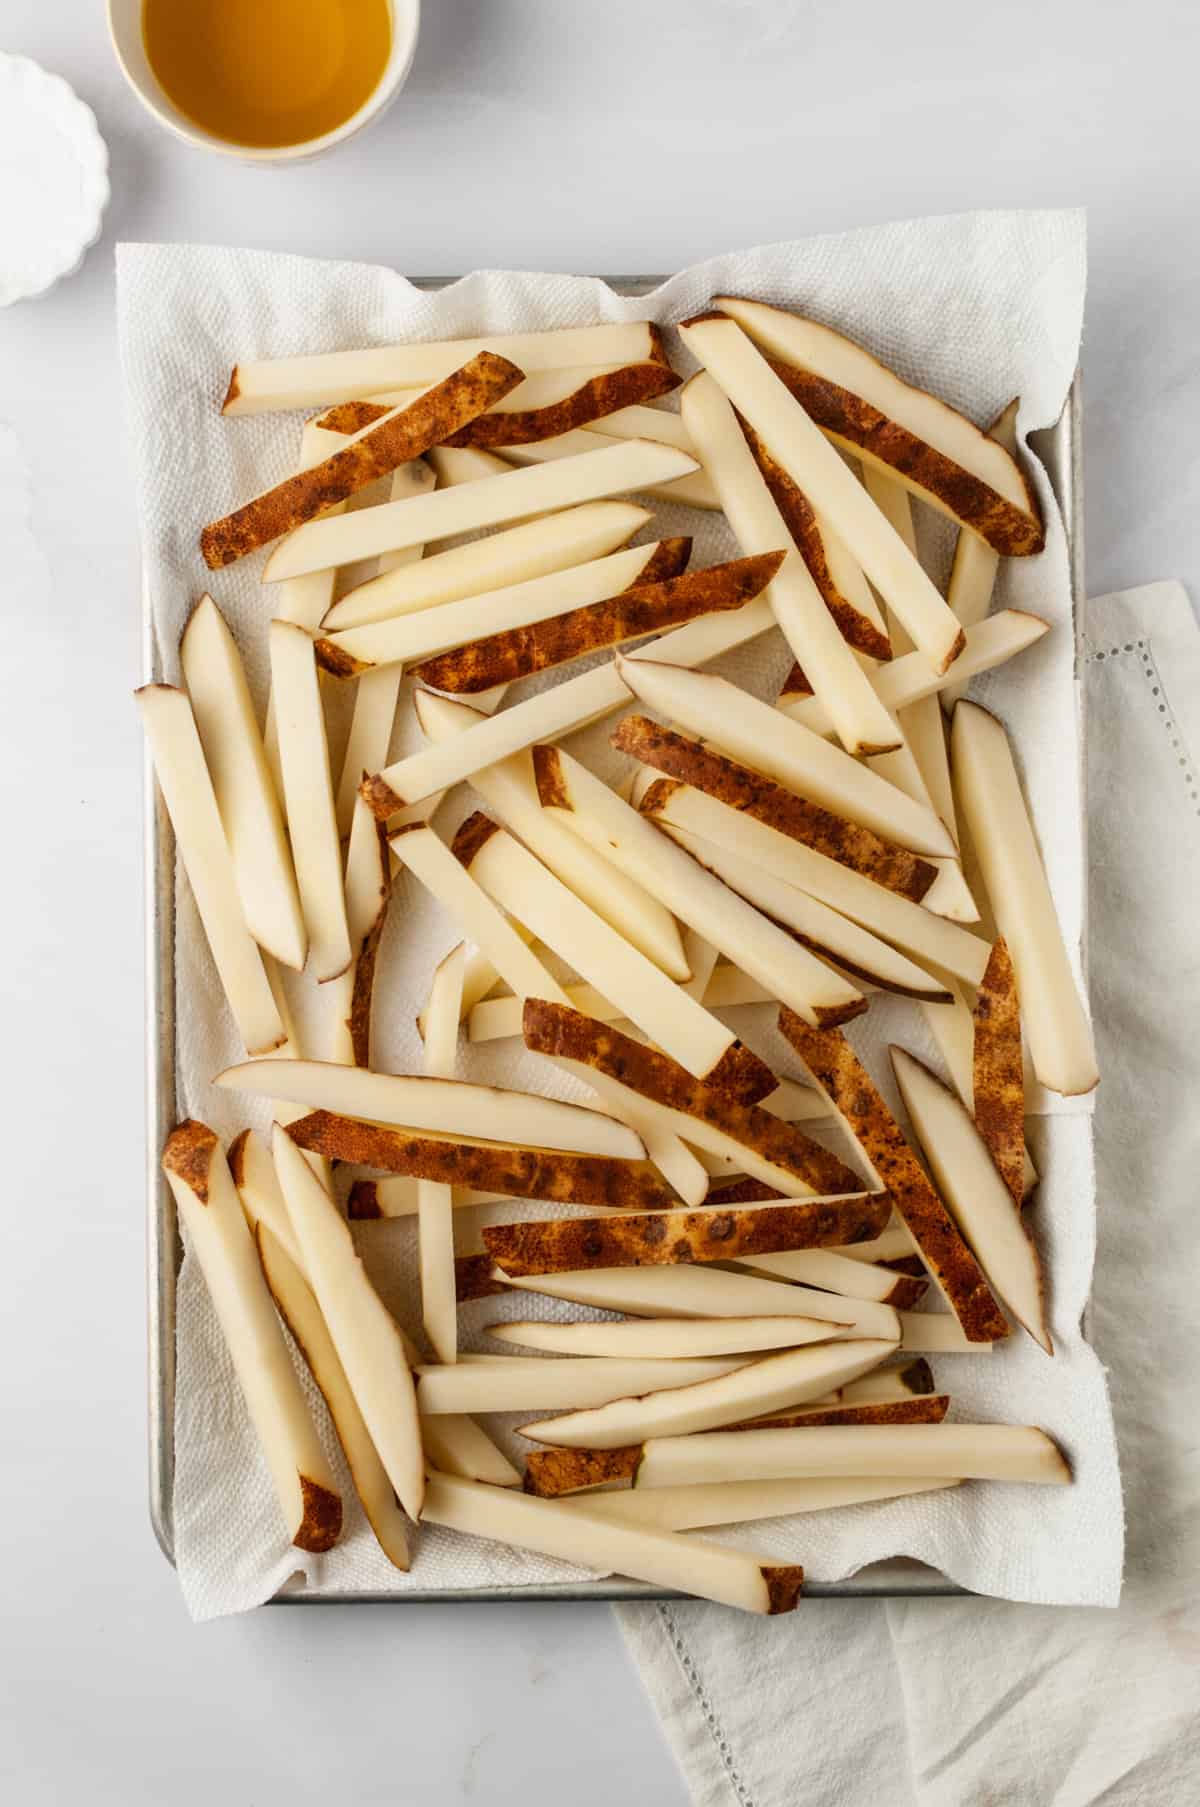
(969,1703)
(981,307)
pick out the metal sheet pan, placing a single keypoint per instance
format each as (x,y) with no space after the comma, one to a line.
(1059,448)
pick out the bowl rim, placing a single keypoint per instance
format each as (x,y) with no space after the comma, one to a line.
(158,104)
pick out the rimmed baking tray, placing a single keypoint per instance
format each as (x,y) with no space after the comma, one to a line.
(1059,449)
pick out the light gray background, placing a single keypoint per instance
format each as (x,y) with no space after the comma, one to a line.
(598,135)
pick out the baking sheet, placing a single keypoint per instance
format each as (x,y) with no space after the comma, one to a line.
(1058,448)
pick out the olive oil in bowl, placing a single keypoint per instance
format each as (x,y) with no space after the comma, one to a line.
(268,73)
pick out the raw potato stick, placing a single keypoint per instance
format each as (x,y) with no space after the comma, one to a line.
(709,1115)
(494,1018)
(846,1083)
(253,1173)
(976,564)
(909,678)
(455,1444)
(858,621)
(400,436)
(191,804)
(510,790)
(688,1291)
(529,1384)
(997,820)
(757,392)
(596,816)
(419,634)
(597,397)
(647,608)
(693,490)
(934,451)
(863,724)
(706,1570)
(537,548)
(438,1105)
(367,1340)
(370,1200)
(683,1028)
(929,938)
(640,421)
(936,1333)
(691,762)
(324,378)
(736,1502)
(589,477)
(517,1172)
(664,1339)
(974,1452)
(788,1377)
(435,1204)
(221,1242)
(831,1269)
(746,729)
(308,796)
(242,784)
(657,1237)
(998,1078)
(983,1206)
(297,1306)
(831,936)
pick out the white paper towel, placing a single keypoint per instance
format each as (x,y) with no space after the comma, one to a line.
(978,307)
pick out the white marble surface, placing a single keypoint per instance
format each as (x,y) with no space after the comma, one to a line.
(601,135)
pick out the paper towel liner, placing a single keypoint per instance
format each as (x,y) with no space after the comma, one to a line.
(978,308)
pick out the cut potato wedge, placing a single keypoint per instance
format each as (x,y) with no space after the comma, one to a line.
(862,405)
(351,994)
(459,624)
(706,1570)
(321,379)
(788,1377)
(907,679)
(896,1243)
(489,502)
(369,1200)
(846,1083)
(510,789)
(968,1179)
(493,1018)
(691,491)
(464,464)
(253,1174)
(757,392)
(937,1333)
(832,936)
(435,1204)
(221,1242)
(930,939)
(537,1385)
(455,1444)
(703,1292)
(297,1306)
(363,1331)
(518,555)
(191,804)
(646,608)
(639,421)
(665,1339)
(596,816)
(738,1502)
(973,1452)
(519,884)
(434,1105)
(308,795)
(649,1239)
(760,737)
(762,1143)
(863,723)
(517,1172)
(401,435)
(241,779)
(737,787)
(838,576)
(997,820)
(997,1100)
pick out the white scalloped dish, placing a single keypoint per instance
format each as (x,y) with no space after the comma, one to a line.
(53,179)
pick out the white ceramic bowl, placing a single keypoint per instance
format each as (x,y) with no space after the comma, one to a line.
(125,30)
(47,226)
